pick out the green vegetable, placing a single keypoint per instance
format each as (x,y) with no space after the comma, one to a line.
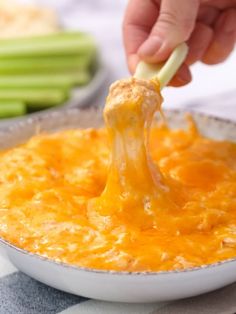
(163,71)
(46,64)
(64,80)
(64,43)
(39,72)
(40,97)
(11,108)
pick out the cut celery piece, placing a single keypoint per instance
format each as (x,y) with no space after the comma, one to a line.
(164,72)
(11,108)
(60,44)
(64,80)
(147,71)
(68,34)
(46,64)
(40,97)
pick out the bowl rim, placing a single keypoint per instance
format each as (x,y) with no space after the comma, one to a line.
(113,272)
(7,244)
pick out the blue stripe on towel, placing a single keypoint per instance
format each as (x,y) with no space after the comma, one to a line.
(20,294)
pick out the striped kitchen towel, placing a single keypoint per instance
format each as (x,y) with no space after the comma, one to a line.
(20,294)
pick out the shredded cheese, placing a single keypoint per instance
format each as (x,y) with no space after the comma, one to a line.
(165,199)
(22,20)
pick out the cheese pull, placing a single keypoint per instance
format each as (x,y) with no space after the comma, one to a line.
(128,114)
(135,185)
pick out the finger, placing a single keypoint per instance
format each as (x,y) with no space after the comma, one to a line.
(174,26)
(224,39)
(208,15)
(133,61)
(220,4)
(199,42)
(182,77)
(139,19)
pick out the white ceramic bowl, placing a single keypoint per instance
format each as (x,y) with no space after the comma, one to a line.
(109,285)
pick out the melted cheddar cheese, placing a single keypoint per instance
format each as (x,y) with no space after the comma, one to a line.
(129,197)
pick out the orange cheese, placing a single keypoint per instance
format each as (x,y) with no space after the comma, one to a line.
(124,198)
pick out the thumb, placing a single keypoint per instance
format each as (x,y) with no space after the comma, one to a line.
(174,25)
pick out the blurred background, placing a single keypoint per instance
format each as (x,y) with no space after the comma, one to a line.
(212,90)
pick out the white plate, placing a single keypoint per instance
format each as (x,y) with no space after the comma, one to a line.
(108,285)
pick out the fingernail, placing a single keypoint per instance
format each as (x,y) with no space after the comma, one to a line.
(150,47)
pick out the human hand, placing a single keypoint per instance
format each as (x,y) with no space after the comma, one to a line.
(153,28)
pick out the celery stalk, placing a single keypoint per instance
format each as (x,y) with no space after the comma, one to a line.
(163,72)
(40,97)
(72,43)
(45,64)
(64,80)
(11,108)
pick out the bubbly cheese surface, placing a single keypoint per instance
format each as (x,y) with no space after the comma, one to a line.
(126,198)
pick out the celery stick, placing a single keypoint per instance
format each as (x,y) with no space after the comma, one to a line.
(45,64)
(163,71)
(172,65)
(50,45)
(12,108)
(64,35)
(81,78)
(42,97)
(47,37)
(64,80)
